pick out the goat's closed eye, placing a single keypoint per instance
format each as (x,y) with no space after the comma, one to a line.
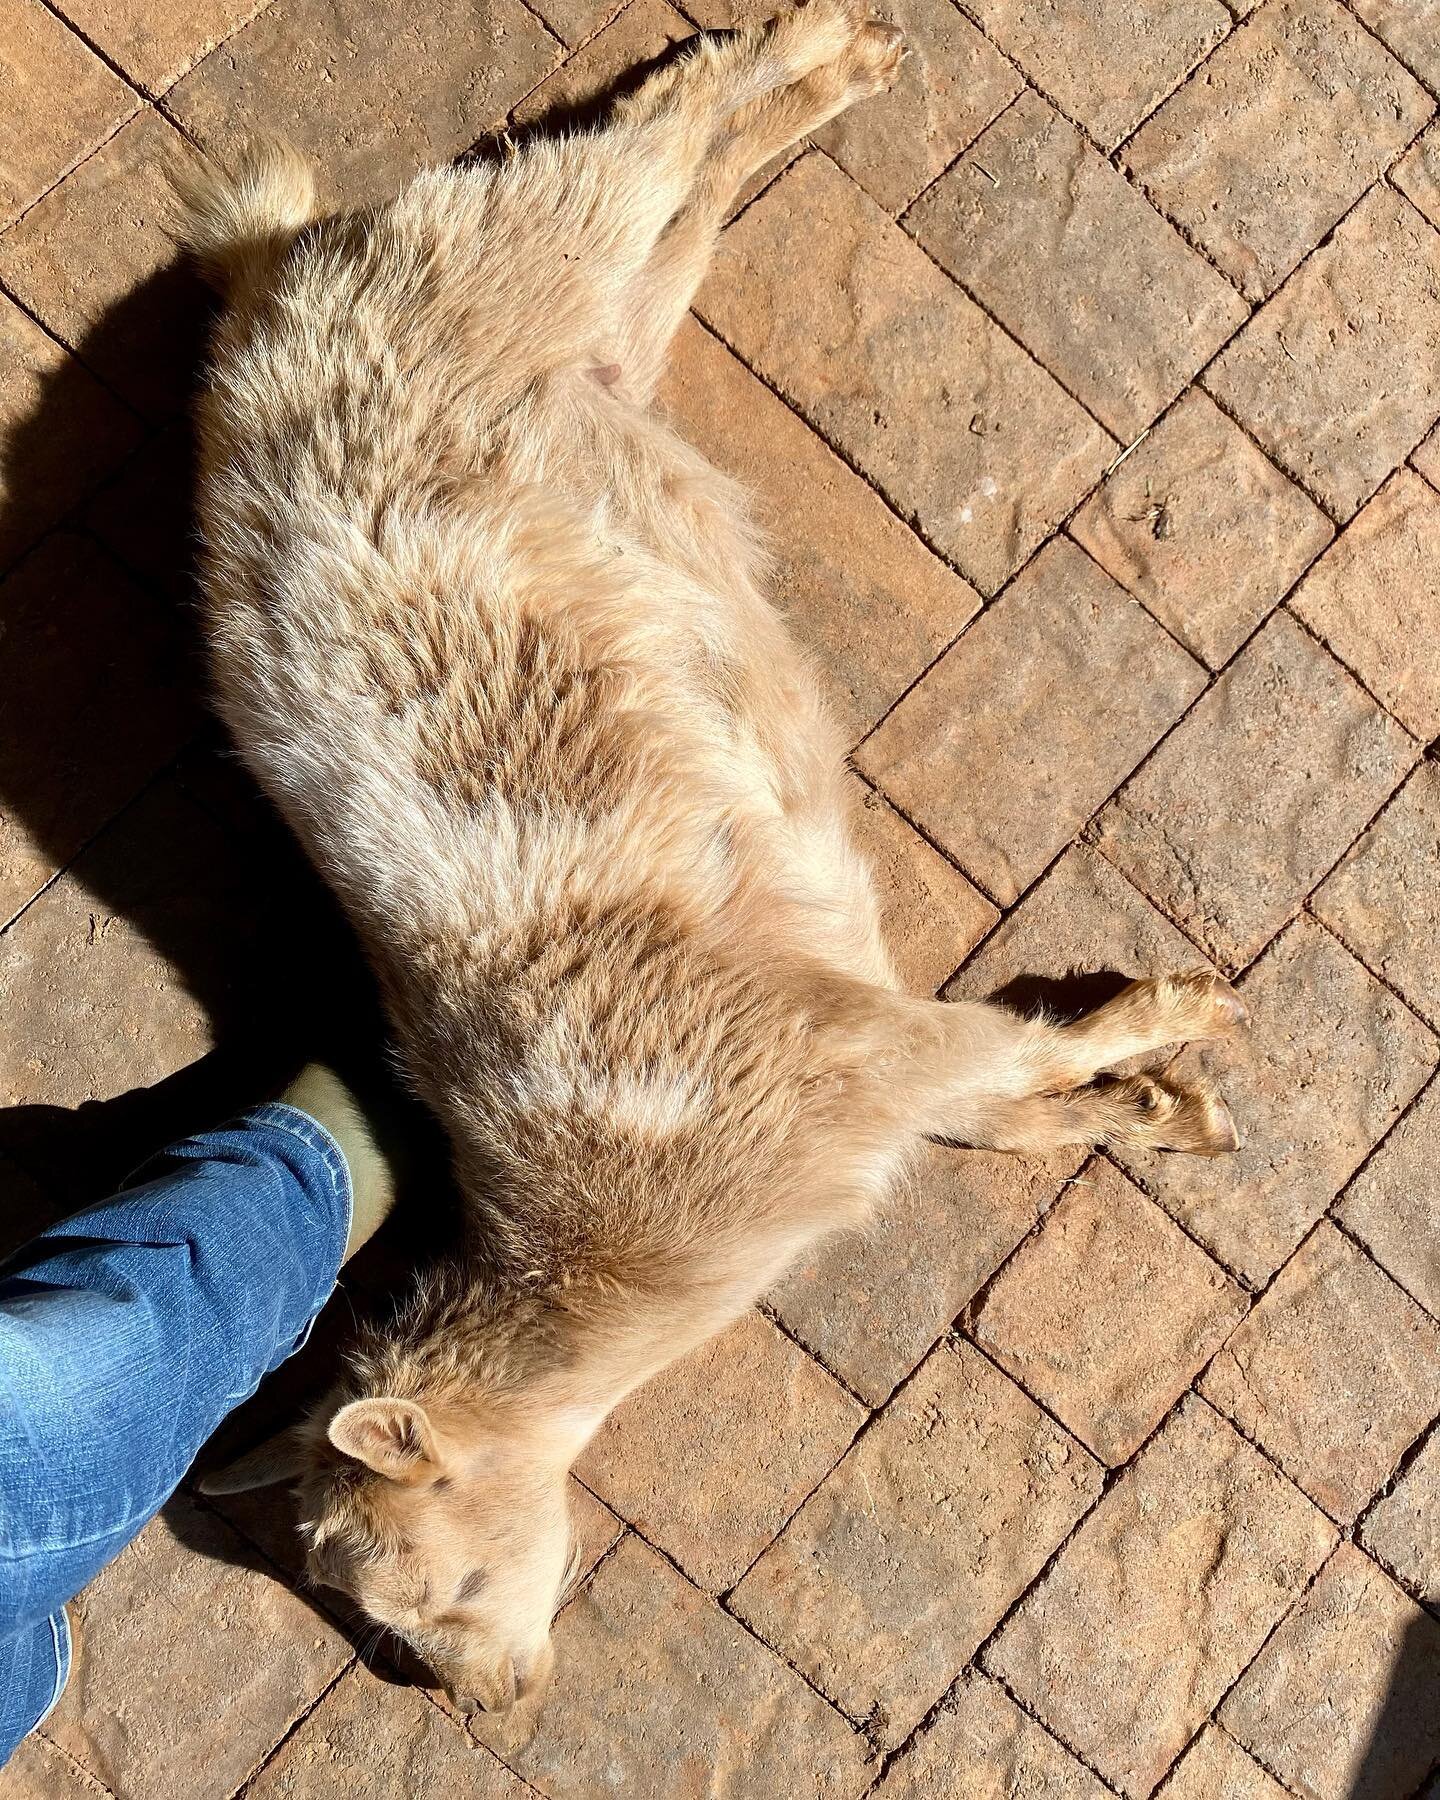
(470,1586)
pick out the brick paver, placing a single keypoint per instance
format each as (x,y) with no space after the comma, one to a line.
(96,263)
(1355,1650)
(1161,1599)
(1068,256)
(1397,855)
(1339,374)
(1203,529)
(1334,1373)
(1256,204)
(1088,387)
(1389,1206)
(897,1568)
(1402,1529)
(62,431)
(720,1712)
(1108,64)
(988,458)
(266,1651)
(871,1304)
(1296,758)
(1107,1313)
(871,602)
(1216,1768)
(665,1459)
(336,78)
(1331,1062)
(981,1744)
(1014,701)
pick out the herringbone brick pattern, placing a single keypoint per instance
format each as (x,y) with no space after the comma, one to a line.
(1087,382)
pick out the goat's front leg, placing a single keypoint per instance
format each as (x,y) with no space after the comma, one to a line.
(861,57)
(982,1075)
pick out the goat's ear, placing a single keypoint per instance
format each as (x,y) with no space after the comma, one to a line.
(391,1436)
(280,1458)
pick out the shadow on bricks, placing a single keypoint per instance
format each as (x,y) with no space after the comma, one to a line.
(1402,1744)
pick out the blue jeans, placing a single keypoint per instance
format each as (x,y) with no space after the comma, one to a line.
(127,1333)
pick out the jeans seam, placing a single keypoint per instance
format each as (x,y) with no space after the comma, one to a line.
(60,1643)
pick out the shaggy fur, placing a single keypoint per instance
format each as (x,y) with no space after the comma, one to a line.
(497,642)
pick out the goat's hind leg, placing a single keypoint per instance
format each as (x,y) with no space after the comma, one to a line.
(981,1075)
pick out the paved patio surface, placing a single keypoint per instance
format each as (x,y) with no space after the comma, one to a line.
(1088,383)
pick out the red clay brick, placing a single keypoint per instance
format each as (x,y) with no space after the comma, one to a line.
(1063,251)
(62,102)
(1335,1373)
(872,1303)
(1330,1060)
(1339,375)
(1203,529)
(667,1462)
(100,696)
(980,1746)
(1256,198)
(1390,1204)
(61,432)
(720,1712)
(1161,1599)
(1384,899)
(373,104)
(900,371)
(1293,755)
(266,1655)
(1106,1314)
(932,917)
(1107,64)
(895,1570)
(872,604)
(1374,597)
(1341,1701)
(96,262)
(1015,737)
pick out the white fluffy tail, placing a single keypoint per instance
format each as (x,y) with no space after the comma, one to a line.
(238,226)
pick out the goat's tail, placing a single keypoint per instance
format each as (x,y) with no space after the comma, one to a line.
(239,225)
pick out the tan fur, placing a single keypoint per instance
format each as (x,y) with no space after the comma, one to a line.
(497,642)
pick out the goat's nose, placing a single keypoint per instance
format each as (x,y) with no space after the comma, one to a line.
(495,1696)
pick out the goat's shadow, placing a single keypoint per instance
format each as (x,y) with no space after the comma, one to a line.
(1404,1745)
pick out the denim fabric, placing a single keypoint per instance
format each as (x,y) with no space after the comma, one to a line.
(127,1333)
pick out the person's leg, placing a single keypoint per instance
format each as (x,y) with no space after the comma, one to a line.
(128,1331)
